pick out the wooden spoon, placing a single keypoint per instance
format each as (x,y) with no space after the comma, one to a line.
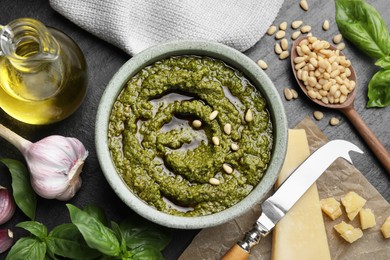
(349,111)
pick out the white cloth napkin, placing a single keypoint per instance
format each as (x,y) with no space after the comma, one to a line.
(134,25)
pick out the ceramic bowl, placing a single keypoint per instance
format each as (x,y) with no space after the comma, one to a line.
(231,57)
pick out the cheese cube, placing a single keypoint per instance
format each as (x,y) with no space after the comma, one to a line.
(331,207)
(353,203)
(386,228)
(348,232)
(367,218)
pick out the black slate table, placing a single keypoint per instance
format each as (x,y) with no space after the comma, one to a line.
(104,60)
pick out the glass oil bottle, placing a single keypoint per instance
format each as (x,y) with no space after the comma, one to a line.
(43,73)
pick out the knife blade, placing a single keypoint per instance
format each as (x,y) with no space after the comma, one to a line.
(289,192)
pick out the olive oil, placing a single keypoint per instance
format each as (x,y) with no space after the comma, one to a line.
(38,87)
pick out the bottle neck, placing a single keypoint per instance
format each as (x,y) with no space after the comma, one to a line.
(28,44)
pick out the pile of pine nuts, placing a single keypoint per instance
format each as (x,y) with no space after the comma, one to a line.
(324,72)
(341,85)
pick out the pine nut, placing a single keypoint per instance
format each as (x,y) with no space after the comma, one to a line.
(305,49)
(284,44)
(323,64)
(334,73)
(215,140)
(213,115)
(314,62)
(312,94)
(295,35)
(196,123)
(284,55)
(344,90)
(300,65)
(312,39)
(299,51)
(333,89)
(327,86)
(234,147)
(295,93)
(318,115)
(227,129)
(334,121)
(352,84)
(323,92)
(296,24)
(305,75)
(341,46)
(299,74)
(312,81)
(325,25)
(249,116)
(278,49)
(271,30)
(299,59)
(306,29)
(214,181)
(226,167)
(262,64)
(288,94)
(337,38)
(280,34)
(304,5)
(283,26)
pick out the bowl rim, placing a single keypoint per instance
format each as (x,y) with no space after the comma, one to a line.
(231,57)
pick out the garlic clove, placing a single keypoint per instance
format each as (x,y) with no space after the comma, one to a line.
(55,164)
(7,205)
(6,239)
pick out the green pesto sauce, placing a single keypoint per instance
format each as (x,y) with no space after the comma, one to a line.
(167,162)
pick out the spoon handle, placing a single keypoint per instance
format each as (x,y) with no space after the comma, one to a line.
(369,137)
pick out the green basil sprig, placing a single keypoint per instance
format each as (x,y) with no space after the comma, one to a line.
(91,236)
(23,193)
(362,24)
(94,232)
(27,248)
(379,89)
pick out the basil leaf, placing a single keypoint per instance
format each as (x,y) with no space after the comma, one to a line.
(361,24)
(118,232)
(146,253)
(144,233)
(97,213)
(379,89)
(23,193)
(66,240)
(27,248)
(37,229)
(94,232)
(383,62)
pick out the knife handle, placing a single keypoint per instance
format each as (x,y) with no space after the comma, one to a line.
(236,253)
(241,250)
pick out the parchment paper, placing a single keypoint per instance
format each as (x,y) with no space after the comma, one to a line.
(341,177)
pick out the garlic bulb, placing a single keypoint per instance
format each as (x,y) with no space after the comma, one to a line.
(6,239)
(55,163)
(7,205)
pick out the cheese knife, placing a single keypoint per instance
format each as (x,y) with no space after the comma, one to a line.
(276,206)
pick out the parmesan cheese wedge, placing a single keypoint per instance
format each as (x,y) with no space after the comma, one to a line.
(301,233)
